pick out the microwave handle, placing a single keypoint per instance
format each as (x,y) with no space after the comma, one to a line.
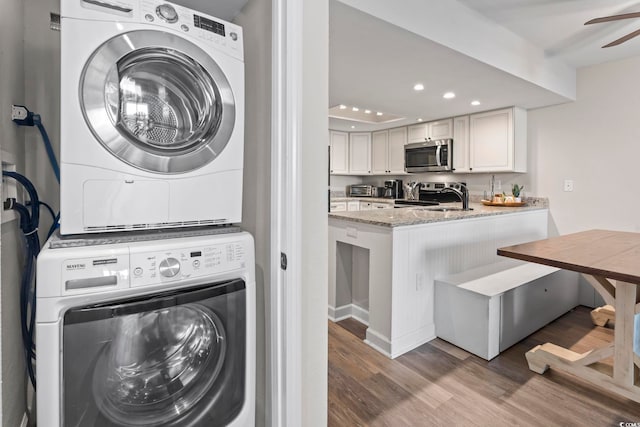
(438,159)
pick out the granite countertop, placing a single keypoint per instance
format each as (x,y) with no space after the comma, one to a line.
(363,199)
(415,215)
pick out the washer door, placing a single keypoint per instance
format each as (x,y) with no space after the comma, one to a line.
(172,360)
(157,102)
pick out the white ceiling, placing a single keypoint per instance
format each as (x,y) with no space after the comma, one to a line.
(374,64)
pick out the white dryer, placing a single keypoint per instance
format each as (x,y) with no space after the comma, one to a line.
(134,331)
(152,117)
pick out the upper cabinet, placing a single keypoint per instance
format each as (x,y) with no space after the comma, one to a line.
(339,152)
(492,141)
(387,151)
(439,129)
(498,141)
(461,144)
(360,153)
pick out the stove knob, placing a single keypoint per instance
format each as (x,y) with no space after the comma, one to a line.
(169,267)
(167,13)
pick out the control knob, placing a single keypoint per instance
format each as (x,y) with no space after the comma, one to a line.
(167,13)
(169,267)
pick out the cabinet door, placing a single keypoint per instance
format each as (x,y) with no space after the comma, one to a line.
(365,206)
(379,144)
(360,153)
(491,141)
(339,144)
(353,206)
(338,206)
(461,144)
(418,133)
(395,159)
(441,129)
(381,205)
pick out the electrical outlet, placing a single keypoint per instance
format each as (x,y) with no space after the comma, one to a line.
(9,186)
(568,185)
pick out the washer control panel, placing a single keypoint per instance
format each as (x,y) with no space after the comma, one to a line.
(222,34)
(149,268)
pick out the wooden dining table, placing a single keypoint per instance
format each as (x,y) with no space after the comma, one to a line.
(610,261)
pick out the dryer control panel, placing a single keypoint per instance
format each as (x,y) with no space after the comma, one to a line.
(149,268)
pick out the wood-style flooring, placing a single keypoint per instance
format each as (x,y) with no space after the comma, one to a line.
(439,384)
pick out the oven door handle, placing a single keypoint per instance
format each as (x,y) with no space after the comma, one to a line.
(438,153)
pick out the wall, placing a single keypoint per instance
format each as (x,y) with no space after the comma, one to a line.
(595,142)
(12,373)
(256,23)
(314,157)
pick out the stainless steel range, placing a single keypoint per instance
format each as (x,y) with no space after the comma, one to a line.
(435,191)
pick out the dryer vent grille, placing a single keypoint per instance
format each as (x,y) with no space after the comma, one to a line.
(157,225)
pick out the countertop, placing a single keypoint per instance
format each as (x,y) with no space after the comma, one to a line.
(363,199)
(415,215)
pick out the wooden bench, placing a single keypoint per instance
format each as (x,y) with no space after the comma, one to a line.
(488,309)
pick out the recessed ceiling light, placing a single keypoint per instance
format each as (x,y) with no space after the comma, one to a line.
(343,107)
(355,109)
(378,113)
(418,86)
(475,103)
(367,111)
(449,95)
(353,127)
(419,120)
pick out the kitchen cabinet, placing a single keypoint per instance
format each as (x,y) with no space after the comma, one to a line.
(498,141)
(360,153)
(387,151)
(381,205)
(353,206)
(439,129)
(365,206)
(337,206)
(461,144)
(339,152)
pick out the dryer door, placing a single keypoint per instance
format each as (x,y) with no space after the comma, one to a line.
(175,359)
(157,102)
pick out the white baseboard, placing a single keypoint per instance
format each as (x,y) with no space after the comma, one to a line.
(400,346)
(348,311)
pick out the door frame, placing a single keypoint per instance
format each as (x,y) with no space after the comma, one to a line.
(285,364)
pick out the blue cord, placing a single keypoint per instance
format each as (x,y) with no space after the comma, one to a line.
(23,117)
(29,220)
(47,145)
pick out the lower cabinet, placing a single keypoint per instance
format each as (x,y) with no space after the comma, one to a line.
(353,206)
(338,207)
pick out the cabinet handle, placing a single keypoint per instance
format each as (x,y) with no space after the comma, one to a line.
(470,169)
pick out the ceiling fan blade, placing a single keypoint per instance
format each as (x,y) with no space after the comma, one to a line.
(623,39)
(613,18)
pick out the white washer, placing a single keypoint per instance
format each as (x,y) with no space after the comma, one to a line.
(152,117)
(135,332)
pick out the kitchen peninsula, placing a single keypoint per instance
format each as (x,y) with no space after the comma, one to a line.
(382,263)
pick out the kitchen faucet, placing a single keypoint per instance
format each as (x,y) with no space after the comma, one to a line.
(463,194)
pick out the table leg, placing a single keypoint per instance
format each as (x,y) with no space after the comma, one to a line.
(623,365)
(623,378)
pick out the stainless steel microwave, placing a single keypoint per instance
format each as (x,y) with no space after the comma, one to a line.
(429,156)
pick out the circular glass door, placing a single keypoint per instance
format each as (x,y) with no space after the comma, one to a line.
(159,365)
(157,102)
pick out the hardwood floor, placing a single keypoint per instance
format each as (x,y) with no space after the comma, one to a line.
(439,384)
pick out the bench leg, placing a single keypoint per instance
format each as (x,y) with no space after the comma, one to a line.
(603,315)
(535,363)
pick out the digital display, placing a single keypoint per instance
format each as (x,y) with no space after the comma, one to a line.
(195,254)
(208,25)
(439,185)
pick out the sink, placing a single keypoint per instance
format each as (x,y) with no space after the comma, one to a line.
(444,209)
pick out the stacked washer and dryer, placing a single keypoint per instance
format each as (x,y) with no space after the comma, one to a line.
(146,298)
